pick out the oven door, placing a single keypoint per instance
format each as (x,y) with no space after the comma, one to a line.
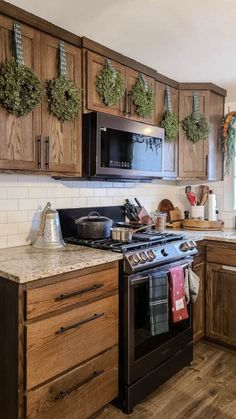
(143,352)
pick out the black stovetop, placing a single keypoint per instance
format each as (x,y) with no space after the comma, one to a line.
(121,247)
(141,240)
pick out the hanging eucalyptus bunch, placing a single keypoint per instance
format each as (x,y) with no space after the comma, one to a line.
(20,88)
(142,97)
(110,84)
(63,96)
(196,125)
(229,140)
(170,121)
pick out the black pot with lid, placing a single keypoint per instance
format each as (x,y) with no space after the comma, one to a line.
(94,226)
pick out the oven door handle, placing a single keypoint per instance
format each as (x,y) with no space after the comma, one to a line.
(143,279)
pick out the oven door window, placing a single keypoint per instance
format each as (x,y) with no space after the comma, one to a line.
(129,151)
(144,342)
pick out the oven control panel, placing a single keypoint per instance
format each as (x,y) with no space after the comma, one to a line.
(145,258)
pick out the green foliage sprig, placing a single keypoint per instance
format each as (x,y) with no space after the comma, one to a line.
(110,85)
(196,127)
(64,99)
(142,97)
(170,124)
(20,88)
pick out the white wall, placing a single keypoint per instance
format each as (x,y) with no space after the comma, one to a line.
(22,197)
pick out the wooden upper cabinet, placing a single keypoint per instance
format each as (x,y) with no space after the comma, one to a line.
(61,148)
(170,164)
(95,64)
(124,108)
(193,158)
(132,77)
(19,135)
(220,303)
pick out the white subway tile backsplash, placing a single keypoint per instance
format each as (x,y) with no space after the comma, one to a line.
(8,229)
(22,198)
(17,192)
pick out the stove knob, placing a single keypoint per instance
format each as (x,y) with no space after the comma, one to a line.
(151,255)
(164,252)
(134,259)
(184,247)
(192,244)
(143,257)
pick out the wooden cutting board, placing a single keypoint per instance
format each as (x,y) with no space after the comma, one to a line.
(166,206)
(202,225)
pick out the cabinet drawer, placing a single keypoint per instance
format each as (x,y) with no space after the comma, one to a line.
(60,342)
(78,289)
(223,255)
(79,393)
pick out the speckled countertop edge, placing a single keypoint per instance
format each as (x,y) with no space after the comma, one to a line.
(25,264)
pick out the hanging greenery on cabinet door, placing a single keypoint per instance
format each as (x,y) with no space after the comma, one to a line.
(170,121)
(20,88)
(142,97)
(229,140)
(196,125)
(110,84)
(63,96)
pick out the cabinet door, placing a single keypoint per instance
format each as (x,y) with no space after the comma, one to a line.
(199,305)
(193,158)
(95,64)
(131,78)
(170,149)
(19,135)
(61,141)
(220,303)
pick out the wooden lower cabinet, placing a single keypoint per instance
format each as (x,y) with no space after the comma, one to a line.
(79,393)
(220,303)
(59,344)
(199,305)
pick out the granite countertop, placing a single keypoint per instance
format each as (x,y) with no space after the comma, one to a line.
(25,263)
(225,235)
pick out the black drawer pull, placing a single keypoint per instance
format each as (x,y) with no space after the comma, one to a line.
(73,326)
(64,393)
(79,292)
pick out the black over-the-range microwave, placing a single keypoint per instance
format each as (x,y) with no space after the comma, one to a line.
(117,148)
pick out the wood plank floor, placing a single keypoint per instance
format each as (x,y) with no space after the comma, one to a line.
(206,390)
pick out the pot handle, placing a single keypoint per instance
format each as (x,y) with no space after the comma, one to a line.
(94,212)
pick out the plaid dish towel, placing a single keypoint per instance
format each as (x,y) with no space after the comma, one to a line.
(158,303)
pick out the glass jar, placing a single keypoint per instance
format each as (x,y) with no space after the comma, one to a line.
(159,218)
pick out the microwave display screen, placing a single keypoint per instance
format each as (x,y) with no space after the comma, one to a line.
(130,151)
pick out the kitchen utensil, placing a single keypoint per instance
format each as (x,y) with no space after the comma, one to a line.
(166,206)
(126,234)
(205,193)
(192,198)
(93,226)
(188,189)
(49,234)
(138,202)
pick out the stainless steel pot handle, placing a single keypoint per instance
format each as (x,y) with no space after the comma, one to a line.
(94,212)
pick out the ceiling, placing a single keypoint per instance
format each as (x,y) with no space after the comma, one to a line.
(187,40)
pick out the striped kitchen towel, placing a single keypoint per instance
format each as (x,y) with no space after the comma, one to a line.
(158,303)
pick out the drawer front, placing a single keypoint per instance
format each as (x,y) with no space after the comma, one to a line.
(223,255)
(79,289)
(79,393)
(60,342)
